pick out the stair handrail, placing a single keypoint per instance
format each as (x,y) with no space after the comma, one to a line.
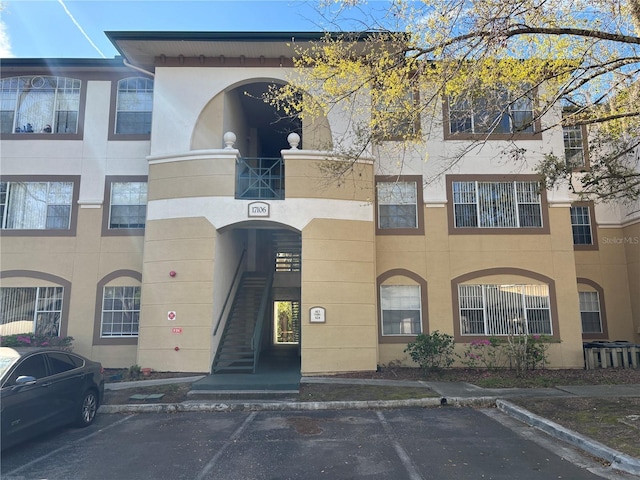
(256,344)
(234,284)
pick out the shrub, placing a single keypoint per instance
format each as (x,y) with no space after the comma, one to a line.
(432,351)
(526,352)
(483,353)
(33,340)
(134,372)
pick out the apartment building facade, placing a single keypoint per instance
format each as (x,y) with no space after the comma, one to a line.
(155,209)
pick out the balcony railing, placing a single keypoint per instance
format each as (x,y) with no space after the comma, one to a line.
(260,178)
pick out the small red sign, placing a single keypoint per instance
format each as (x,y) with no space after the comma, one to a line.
(176,330)
(171,315)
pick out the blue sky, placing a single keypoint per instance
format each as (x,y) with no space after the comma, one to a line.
(75,28)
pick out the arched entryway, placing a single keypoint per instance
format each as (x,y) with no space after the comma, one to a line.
(260,329)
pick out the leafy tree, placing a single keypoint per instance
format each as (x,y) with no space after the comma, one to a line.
(577,56)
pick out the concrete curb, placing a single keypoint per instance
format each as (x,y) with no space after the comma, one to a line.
(618,460)
(151,383)
(198,406)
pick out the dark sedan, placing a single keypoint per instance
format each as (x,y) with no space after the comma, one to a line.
(41,389)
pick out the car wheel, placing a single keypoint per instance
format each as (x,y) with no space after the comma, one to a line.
(88,409)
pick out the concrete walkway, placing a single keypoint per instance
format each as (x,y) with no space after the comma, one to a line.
(449,393)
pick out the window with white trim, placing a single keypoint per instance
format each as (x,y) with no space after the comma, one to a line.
(128,205)
(134,106)
(497,112)
(36,205)
(31,310)
(497,204)
(590,312)
(397,204)
(120,312)
(581,225)
(401,308)
(573,146)
(504,309)
(39,104)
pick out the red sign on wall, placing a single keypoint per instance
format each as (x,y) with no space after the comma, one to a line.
(176,330)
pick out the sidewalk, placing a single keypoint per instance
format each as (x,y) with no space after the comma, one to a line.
(449,393)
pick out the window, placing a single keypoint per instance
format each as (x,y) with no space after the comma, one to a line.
(120,312)
(590,312)
(401,309)
(497,112)
(396,118)
(32,366)
(496,204)
(581,225)
(39,104)
(36,205)
(504,309)
(61,362)
(134,106)
(574,153)
(31,310)
(128,205)
(397,204)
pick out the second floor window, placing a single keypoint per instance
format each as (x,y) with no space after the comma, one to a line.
(36,205)
(574,146)
(397,205)
(496,204)
(39,104)
(128,205)
(134,106)
(496,112)
(581,225)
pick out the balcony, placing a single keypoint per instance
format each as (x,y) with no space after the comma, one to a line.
(260,179)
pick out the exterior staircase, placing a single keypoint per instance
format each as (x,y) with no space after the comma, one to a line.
(236,351)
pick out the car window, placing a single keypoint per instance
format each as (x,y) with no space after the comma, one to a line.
(60,362)
(79,362)
(32,366)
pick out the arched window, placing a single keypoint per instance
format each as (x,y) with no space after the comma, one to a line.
(592,310)
(134,106)
(39,104)
(503,301)
(118,308)
(402,306)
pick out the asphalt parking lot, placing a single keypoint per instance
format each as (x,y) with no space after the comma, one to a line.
(433,443)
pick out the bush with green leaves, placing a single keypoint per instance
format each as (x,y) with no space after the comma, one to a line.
(525,352)
(33,340)
(483,353)
(432,352)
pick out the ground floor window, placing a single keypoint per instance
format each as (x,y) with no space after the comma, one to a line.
(31,310)
(401,309)
(504,309)
(590,312)
(120,312)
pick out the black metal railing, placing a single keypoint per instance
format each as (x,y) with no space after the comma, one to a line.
(260,178)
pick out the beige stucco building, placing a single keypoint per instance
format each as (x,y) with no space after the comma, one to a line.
(153,208)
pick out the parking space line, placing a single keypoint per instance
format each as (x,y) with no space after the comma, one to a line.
(58,450)
(402,453)
(212,463)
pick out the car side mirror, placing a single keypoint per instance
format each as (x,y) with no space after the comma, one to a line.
(25,380)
